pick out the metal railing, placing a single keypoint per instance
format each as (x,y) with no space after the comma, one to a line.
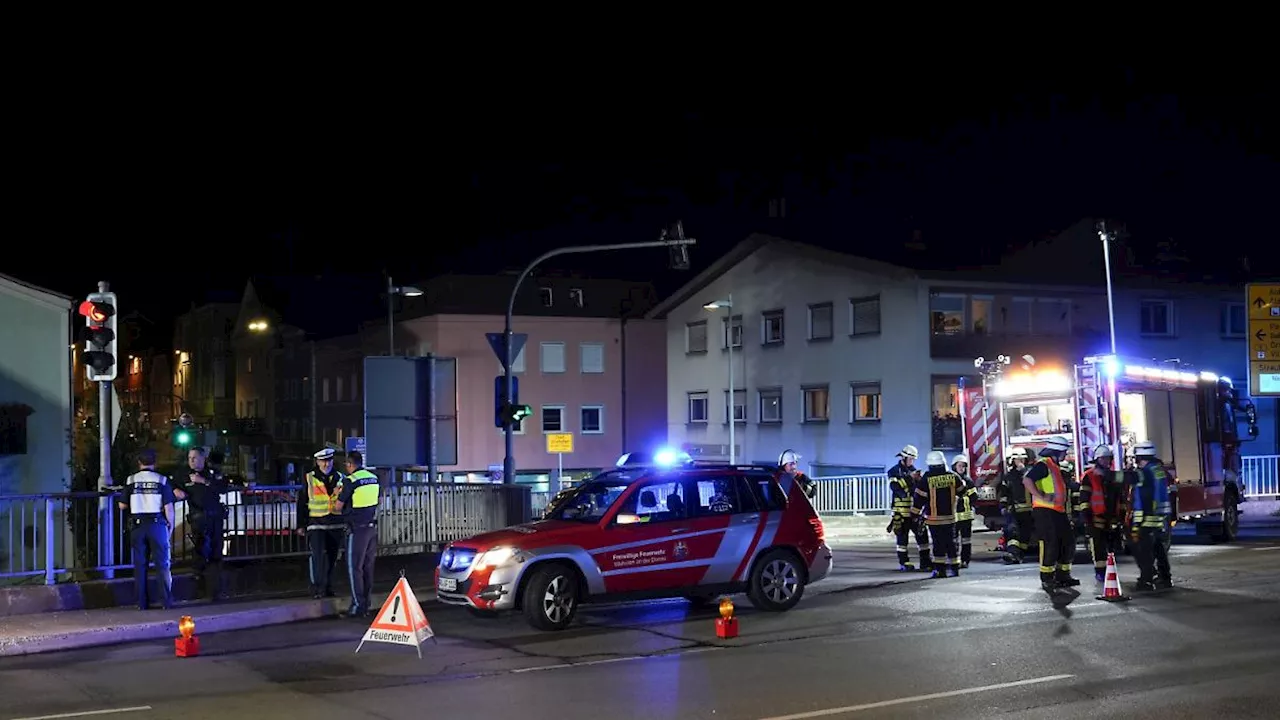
(1261,476)
(63,537)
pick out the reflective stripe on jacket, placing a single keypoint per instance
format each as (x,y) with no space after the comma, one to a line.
(320,502)
(1053,484)
(1151,505)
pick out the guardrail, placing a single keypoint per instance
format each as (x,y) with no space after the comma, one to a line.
(1261,476)
(64,537)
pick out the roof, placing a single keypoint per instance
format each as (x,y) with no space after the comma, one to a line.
(34,292)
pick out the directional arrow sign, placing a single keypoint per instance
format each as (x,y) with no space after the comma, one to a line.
(1264,301)
(1264,340)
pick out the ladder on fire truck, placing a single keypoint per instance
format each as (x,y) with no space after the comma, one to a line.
(1093,420)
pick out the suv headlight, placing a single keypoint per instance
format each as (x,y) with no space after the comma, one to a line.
(495,557)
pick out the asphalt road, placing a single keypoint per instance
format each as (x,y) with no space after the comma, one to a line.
(865,643)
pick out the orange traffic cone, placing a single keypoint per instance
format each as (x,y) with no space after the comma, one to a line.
(1111,591)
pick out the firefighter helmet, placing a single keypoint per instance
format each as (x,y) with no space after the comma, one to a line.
(1145,449)
(935,459)
(909,451)
(1055,444)
(961,458)
(1017,454)
(787,457)
(1103,451)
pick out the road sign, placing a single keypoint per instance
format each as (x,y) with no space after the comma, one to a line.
(559,443)
(1264,301)
(1264,340)
(356,444)
(517,346)
(401,620)
(1264,379)
(398,408)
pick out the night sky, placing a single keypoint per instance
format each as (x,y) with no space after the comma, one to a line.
(194,196)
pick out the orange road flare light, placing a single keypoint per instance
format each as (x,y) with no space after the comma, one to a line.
(726,624)
(186,644)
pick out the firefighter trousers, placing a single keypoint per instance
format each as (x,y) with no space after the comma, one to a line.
(964,534)
(1153,559)
(944,549)
(902,531)
(1057,544)
(1100,544)
(1024,536)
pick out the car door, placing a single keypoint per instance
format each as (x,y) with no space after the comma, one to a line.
(730,523)
(644,542)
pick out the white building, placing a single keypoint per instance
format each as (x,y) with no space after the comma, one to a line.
(845,359)
(35,389)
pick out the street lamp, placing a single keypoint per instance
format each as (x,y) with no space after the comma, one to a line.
(258,326)
(392,291)
(727,304)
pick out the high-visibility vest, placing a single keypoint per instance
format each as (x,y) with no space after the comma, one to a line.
(365,493)
(1097,492)
(1051,483)
(320,502)
(901,500)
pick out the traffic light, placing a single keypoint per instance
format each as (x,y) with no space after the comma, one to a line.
(183,437)
(99,311)
(515,414)
(501,408)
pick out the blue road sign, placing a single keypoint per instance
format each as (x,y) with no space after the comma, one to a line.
(356,444)
(517,345)
(499,384)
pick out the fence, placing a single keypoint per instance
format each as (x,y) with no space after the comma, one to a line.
(869,494)
(77,536)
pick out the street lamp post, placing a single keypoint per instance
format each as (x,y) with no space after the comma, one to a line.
(1106,236)
(392,292)
(727,303)
(672,239)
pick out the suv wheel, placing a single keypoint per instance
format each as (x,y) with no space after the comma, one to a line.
(776,582)
(551,597)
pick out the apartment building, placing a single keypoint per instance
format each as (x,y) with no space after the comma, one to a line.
(845,360)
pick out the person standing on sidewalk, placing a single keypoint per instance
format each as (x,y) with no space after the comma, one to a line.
(358,501)
(320,521)
(206,516)
(149,499)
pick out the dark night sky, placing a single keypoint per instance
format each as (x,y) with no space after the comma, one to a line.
(194,195)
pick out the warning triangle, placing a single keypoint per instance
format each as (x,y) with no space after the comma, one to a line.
(401,620)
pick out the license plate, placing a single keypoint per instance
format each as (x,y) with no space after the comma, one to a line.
(448,584)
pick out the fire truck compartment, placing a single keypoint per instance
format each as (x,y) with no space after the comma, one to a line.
(1168,419)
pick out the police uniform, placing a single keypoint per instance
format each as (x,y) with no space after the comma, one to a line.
(319,516)
(206,524)
(936,496)
(146,494)
(359,498)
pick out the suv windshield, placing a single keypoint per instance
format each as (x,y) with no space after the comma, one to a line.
(589,501)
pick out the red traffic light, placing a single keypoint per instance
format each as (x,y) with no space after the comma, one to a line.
(97,312)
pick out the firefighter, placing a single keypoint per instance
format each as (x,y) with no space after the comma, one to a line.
(936,496)
(903,478)
(1151,511)
(964,508)
(1047,487)
(1023,539)
(1099,508)
(320,522)
(788,473)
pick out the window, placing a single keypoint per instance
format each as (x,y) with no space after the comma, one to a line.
(655,502)
(716,495)
(695,337)
(698,407)
(771,405)
(768,495)
(817,403)
(552,357)
(355,393)
(545,294)
(980,314)
(1156,318)
(575,297)
(739,406)
(864,316)
(324,390)
(820,319)
(1018,320)
(771,327)
(552,418)
(946,314)
(592,359)
(732,327)
(592,420)
(946,426)
(864,402)
(135,365)
(337,395)
(1053,317)
(1235,321)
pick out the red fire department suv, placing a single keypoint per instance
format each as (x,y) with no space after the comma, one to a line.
(649,528)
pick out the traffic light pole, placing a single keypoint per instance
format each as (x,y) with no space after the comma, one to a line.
(508,431)
(106,509)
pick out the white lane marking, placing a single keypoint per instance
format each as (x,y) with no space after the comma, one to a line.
(88,713)
(917,698)
(605,661)
(1277,547)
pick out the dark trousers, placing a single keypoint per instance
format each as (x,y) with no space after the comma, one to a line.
(150,535)
(208,533)
(1057,544)
(964,533)
(902,531)
(1153,560)
(324,544)
(1024,536)
(1101,541)
(944,549)
(362,548)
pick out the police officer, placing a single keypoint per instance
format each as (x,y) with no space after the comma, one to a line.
(1099,505)
(965,496)
(936,496)
(789,473)
(1151,511)
(1047,487)
(358,501)
(903,478)
(321,522)
(149,499)
(206,518)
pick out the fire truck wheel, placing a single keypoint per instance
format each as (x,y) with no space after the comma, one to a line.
(1230,519)
(777,581)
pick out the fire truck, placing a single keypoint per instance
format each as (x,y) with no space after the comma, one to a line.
(1196,419)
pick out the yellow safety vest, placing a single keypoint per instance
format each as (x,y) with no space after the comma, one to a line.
(365,494)
(1052,484)
(319,501)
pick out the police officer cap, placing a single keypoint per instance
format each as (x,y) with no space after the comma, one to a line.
(325,454)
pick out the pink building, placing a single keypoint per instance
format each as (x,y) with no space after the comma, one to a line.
(601,379)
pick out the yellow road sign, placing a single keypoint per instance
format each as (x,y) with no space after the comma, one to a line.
(1264,301)
(1264,340)
(559,443)
(1264,379)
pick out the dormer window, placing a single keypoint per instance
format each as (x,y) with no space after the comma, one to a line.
(575,296)
(545,293)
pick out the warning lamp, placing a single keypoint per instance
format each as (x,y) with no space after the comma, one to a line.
(186,644)
(726,624)
(99,312)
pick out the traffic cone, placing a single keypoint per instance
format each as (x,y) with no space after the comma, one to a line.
(1111,591)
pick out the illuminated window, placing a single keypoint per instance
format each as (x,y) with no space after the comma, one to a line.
(864,402)
(947,314)
(817,403)
(946,427)
(135,365)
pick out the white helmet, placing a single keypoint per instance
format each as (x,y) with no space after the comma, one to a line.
(961,458)
(909,451)
(1055,444)
(1015,454)
(787,457)
(1103,451)
(935,459)
(1145,449)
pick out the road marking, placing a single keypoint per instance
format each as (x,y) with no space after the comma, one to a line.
(917,698)
(1277,547)
(585,663)
(87,713)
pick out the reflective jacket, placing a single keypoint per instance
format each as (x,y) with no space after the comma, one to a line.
(938,493)
(1151,506)
(964,500)
(1048,479)
(901,485)
(320,499)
